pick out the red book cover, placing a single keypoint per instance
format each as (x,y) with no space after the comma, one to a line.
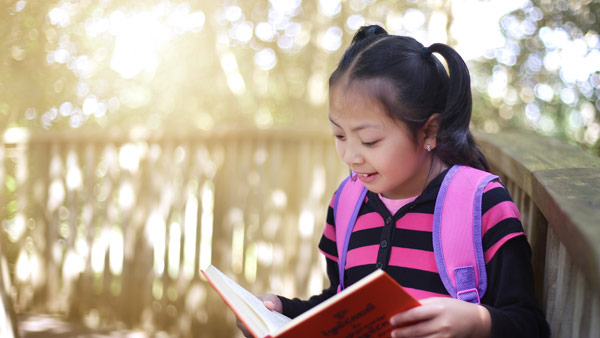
(362,310)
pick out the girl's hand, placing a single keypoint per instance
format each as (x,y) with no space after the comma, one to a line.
(443,317)
(272,302)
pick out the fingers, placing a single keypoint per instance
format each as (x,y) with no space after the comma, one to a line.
(417,314)
(269,305)
(243,328)
(272,302)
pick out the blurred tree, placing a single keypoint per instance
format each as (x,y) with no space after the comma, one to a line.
(178,64)
(547,75)
(161,64)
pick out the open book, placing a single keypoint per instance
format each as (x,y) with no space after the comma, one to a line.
(361,310)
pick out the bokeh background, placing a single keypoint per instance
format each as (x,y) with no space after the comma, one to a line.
(143,140)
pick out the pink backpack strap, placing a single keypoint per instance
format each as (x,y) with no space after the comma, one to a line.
(348,200)
(457,242)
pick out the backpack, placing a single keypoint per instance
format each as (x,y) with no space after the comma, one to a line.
(456,233)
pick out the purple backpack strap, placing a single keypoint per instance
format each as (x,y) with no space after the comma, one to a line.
(348,200)
(457,233)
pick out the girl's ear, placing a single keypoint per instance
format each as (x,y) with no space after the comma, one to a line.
(429,132)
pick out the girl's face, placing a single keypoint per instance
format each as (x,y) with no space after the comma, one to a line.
(382,151)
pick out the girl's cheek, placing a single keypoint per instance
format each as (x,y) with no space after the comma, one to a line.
(339,147)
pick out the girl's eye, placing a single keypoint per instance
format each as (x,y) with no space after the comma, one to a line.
(339,137)
(369,144)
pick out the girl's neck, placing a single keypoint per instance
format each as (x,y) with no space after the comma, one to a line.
(436,167)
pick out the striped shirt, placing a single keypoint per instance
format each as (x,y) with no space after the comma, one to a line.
(402,245)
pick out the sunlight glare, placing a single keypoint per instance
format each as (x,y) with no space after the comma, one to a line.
(129,157)
(99,246)
(331,39)
(330,8)
(250,265)
(264,31)
(190,227)
(354,22)
(235,81)
(72,266)
(116,251)
(306,224)
(126,195)
(56,194)
(485,15)
(265,59)
(236,219)
(156,233)
(544,92)
(264,253)
(285,7)
(74,178)
(206,230)
(137,40)
(59,16)
(23,267)
(174,249)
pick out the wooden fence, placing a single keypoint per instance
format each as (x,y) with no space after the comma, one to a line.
(557,190)
(111,230)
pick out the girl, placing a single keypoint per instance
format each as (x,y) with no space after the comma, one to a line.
(400,121)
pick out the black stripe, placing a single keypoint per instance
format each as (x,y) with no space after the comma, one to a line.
(422,208)
(364,237)
(500,230)
(413,239)
(493,197)
(328,246)
(417,279)
(330,217)
(354,274)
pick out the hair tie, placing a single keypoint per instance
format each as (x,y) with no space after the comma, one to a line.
(425,52)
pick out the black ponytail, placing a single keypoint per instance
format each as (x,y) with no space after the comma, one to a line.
(413,85)
(455,143)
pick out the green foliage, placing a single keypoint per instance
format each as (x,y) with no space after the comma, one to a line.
(547,76)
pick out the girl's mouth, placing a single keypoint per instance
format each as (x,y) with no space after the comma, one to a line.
(366,178)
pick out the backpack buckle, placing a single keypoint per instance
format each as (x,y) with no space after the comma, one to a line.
(469,295)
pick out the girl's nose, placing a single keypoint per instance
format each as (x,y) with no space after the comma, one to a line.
(352,156)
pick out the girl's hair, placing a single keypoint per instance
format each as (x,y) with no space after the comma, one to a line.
(412,85)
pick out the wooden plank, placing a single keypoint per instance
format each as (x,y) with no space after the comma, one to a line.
(570,200)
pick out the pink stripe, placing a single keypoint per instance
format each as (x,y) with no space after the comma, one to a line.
(368,221)
(489,253)
(422,294)
(497,213)
(333,258)
(414,259)
(362,256)
(329,232)
(492,185)
(416,221)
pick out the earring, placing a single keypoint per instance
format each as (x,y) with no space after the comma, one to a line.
(428,147)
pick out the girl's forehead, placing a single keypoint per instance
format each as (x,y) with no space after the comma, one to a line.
(356,102)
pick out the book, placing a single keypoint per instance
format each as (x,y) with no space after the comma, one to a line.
(362,310)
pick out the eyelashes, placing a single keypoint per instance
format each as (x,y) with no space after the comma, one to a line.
(366,144)
(369,144)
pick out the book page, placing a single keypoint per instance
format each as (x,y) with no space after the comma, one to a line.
(272,319)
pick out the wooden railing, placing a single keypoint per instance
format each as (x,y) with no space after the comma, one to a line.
(557,190)
(111,229)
